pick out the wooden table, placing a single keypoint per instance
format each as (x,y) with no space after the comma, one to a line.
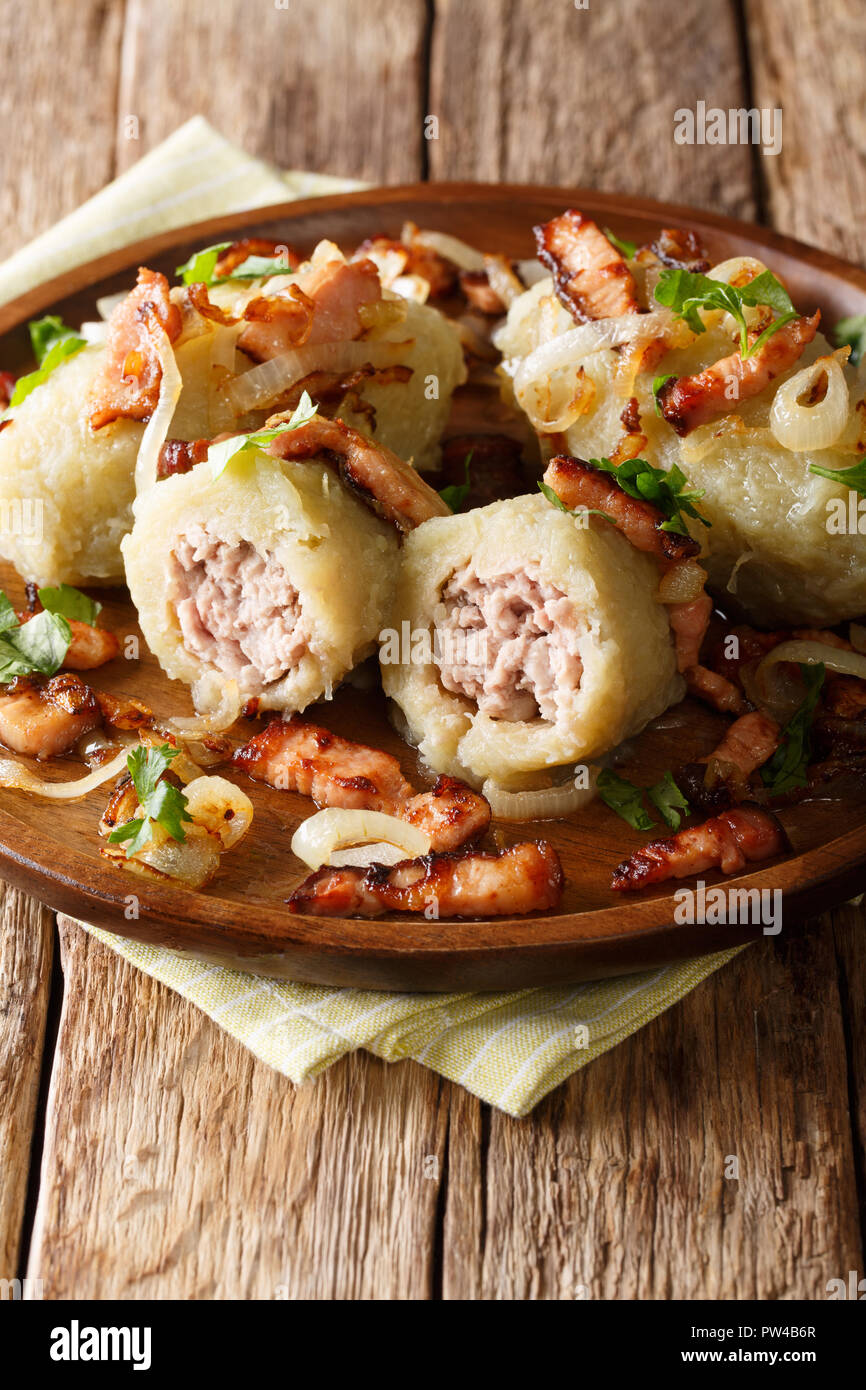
(142,1152)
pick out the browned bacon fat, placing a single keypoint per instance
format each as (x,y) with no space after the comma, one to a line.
(391,487)
(296,756)
(591,279)
(525,878)
(128,385)
(689,401)
(746,834)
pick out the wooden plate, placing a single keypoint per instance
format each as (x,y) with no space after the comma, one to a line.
(240,920)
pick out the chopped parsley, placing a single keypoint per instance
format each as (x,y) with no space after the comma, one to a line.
(161,802)
(687,292)
(52,343)
(626,799)
(658,383)
(625,248)
(668,801)
(667,490)
(556,501)
(219,455)
(787,767)
(455,495)
(70,603)
(36,647)
(201,268)
(851,332)
(854,477)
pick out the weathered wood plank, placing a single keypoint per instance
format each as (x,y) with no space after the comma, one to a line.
(58,81)
(617,1187)
(336,88)
(26,946)
(549,93)
(807,59)
(176,1166)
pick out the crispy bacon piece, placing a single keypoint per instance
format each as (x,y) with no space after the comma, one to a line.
(689,623)
(332,389)
(418,259)
(127,387)
(7,387)
(715,690)
(747,744)
(296,756)
(324,306)
(689,401)
(45,720)
(389,486)
(677,248)
(181,455)
(743,835)
(481,295)
(524,878)
(576,484)
(121,712)
(239,251)
(591,279)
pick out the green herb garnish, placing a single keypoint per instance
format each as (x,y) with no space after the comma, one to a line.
(201,268)
(52,343)
(787,767)
(658,383)
(854,477)
(625,248)
(219,455)
(556,501)
(161,802)
(669,801)
(36,647)
(665,490)
(455,495)
(70,603)
(624,798)
(851,332)
(687,292)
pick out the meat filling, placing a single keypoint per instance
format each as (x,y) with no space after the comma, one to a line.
(237,609)
(510,643)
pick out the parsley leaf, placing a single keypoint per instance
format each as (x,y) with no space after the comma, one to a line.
(852,332)
(668,800)
(70,603)
(624,798)
(455,495)
(201,268)
(35,647)
(854,477)
(162,803)
(556,501)
(687,292)
(658,383)
(665,490)
(625,248)
(219,455)
(787,767)
(52,343)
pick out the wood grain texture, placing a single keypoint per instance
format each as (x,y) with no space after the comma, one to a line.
(26,947)
(550,93)
(331,87)
(58,82)
(807,59)
(176,1166)
(617,1187)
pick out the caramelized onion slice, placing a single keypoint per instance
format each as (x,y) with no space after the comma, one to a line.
(545,803)
(14,774)
(320,835)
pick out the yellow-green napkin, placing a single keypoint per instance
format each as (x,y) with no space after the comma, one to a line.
(509,1049)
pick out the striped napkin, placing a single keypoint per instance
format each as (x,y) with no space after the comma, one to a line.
(509,1049)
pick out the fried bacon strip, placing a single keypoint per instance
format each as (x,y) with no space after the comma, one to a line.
(747,744)
(689,401)
(7,387)
(296,756)
(389,486)
(743,835)
(181,455)
(577,484)
(45,719)
(324,306)
(127,387)
(591,278)
(715,690)
(418,259)
(524,878)
(677,248)
(240,251)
